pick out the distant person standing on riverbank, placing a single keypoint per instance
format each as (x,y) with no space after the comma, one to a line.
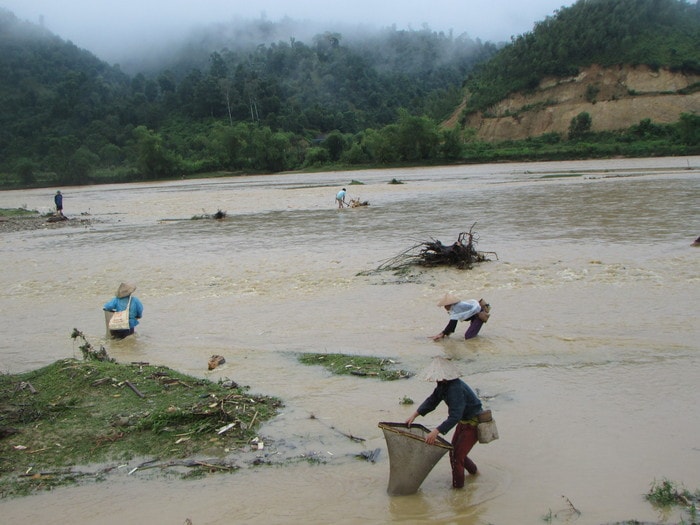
(58,201)
(340,198)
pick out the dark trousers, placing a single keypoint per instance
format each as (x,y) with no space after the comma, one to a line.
(465,437)
(121,334)
(474,326)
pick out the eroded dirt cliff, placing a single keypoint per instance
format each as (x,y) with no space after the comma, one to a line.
(615,98)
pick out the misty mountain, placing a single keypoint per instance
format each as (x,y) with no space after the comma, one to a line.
(239,98)
(181,53)
(65,111)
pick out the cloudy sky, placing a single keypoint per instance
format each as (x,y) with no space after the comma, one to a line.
(104,26)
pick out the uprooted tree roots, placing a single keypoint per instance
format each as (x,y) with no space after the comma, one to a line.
(461,254)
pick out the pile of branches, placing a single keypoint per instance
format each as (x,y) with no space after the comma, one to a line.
(461,254)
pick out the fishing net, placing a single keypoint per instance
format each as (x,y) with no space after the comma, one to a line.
(410,458)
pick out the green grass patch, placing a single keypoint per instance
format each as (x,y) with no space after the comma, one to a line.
(561,175)
(76,412)
(342,364)
(18,212)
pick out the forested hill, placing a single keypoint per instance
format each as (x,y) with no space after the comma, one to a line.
(330,100)
(657,33)
(67,116)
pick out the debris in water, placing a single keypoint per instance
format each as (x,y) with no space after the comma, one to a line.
(461,254)
(370,455)
(215,361)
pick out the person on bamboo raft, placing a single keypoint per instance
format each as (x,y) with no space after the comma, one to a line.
(476,312)
(463,407)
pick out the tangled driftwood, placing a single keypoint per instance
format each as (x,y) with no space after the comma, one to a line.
(461,254)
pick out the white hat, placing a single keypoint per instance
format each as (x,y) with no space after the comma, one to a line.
(439,369)
(448,299)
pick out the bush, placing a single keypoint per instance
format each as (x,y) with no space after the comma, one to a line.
(316,156)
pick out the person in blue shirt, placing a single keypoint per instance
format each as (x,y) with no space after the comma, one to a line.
(58,201)
(340,198)
(463,408)
(476,312)
(119,303)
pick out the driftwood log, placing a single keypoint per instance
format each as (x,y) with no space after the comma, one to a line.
(461,254)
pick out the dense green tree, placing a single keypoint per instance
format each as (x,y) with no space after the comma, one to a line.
(580,126)
(334,145)
(316,156)
(187,91)
(153,159)
(382,145)
(689,129)
(451,147)
(218,67)
(647,129)
(417,138)
(81,165)
(355,154)
(25,169)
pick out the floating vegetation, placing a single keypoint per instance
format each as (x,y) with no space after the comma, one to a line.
(664,494)
(667,493)
(75,412)
(357,365)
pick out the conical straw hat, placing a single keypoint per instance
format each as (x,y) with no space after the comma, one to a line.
(125,290)
(440,369)
(448,299)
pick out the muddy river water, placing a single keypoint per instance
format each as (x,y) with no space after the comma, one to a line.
(590,362)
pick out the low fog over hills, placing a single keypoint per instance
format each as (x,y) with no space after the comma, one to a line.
(263,96)
(192,49)
(384,47)
(117,30)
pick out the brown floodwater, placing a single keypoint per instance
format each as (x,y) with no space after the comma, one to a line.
(589,362)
